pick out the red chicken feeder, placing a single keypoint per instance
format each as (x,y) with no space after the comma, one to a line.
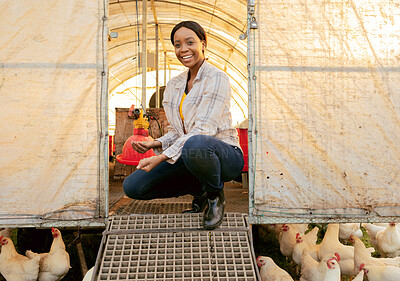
(131,157)
(244,144)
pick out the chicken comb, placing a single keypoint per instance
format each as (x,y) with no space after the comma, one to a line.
(361,267)
(53,229)
(297,235)
(1,237)
(337,257)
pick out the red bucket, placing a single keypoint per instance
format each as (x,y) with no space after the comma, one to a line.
(244,144)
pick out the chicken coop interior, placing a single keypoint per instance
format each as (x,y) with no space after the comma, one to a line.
(315,101)
(131,32)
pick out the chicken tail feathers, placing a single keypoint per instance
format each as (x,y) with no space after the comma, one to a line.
(31,254)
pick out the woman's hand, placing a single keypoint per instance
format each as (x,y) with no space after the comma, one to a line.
(143,146)
(148,164)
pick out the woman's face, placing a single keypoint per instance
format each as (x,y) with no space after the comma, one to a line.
(188,48)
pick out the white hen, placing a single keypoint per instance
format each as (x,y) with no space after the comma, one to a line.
(269,271)
(381,273)
(333,271)
(16,267)
(372,231)
(330,244)
(287,238)
(307,241)
(388,241)
(348,229)
(54,265)
(311,270)
(363,256)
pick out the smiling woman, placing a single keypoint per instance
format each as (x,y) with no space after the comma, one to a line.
(189,41)
(201,150)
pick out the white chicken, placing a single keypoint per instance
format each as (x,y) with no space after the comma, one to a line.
(363,256)
(54,265)
(269,271)
(5,232)
(330,244)
(381,273)
(307,241)
(348,229)
(311,270)
(333,271)
(388,241)
(372,231)
(16,267)
(301,227)
(287,238)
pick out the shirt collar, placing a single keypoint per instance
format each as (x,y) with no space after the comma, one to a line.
(201,70)
(183,77)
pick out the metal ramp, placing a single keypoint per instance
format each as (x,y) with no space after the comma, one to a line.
(176,247)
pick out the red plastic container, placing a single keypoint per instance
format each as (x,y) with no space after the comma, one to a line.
(129,156)
(244,144)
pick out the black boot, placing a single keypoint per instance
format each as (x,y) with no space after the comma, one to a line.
(214,212)
(198,204)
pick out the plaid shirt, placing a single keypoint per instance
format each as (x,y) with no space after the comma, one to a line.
(206,110)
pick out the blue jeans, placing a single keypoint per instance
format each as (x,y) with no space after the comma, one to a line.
(205,164)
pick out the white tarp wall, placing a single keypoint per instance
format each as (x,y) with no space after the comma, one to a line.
(52,98)
(325,111)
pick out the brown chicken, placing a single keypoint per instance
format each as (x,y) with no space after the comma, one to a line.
(16,267)
(54,265)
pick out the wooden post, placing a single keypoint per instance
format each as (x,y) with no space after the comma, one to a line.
(81,255)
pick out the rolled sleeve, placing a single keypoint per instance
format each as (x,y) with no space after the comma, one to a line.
(166,141)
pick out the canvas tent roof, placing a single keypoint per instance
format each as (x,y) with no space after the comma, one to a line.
(223,22)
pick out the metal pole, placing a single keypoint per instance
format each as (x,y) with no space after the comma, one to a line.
(165,69)
(157,88)
(144,51)
(251,85)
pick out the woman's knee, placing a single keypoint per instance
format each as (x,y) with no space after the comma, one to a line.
(133,188)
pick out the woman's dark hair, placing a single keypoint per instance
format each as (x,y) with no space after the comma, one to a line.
(192,25)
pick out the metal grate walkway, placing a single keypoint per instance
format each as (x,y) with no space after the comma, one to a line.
(176,247)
